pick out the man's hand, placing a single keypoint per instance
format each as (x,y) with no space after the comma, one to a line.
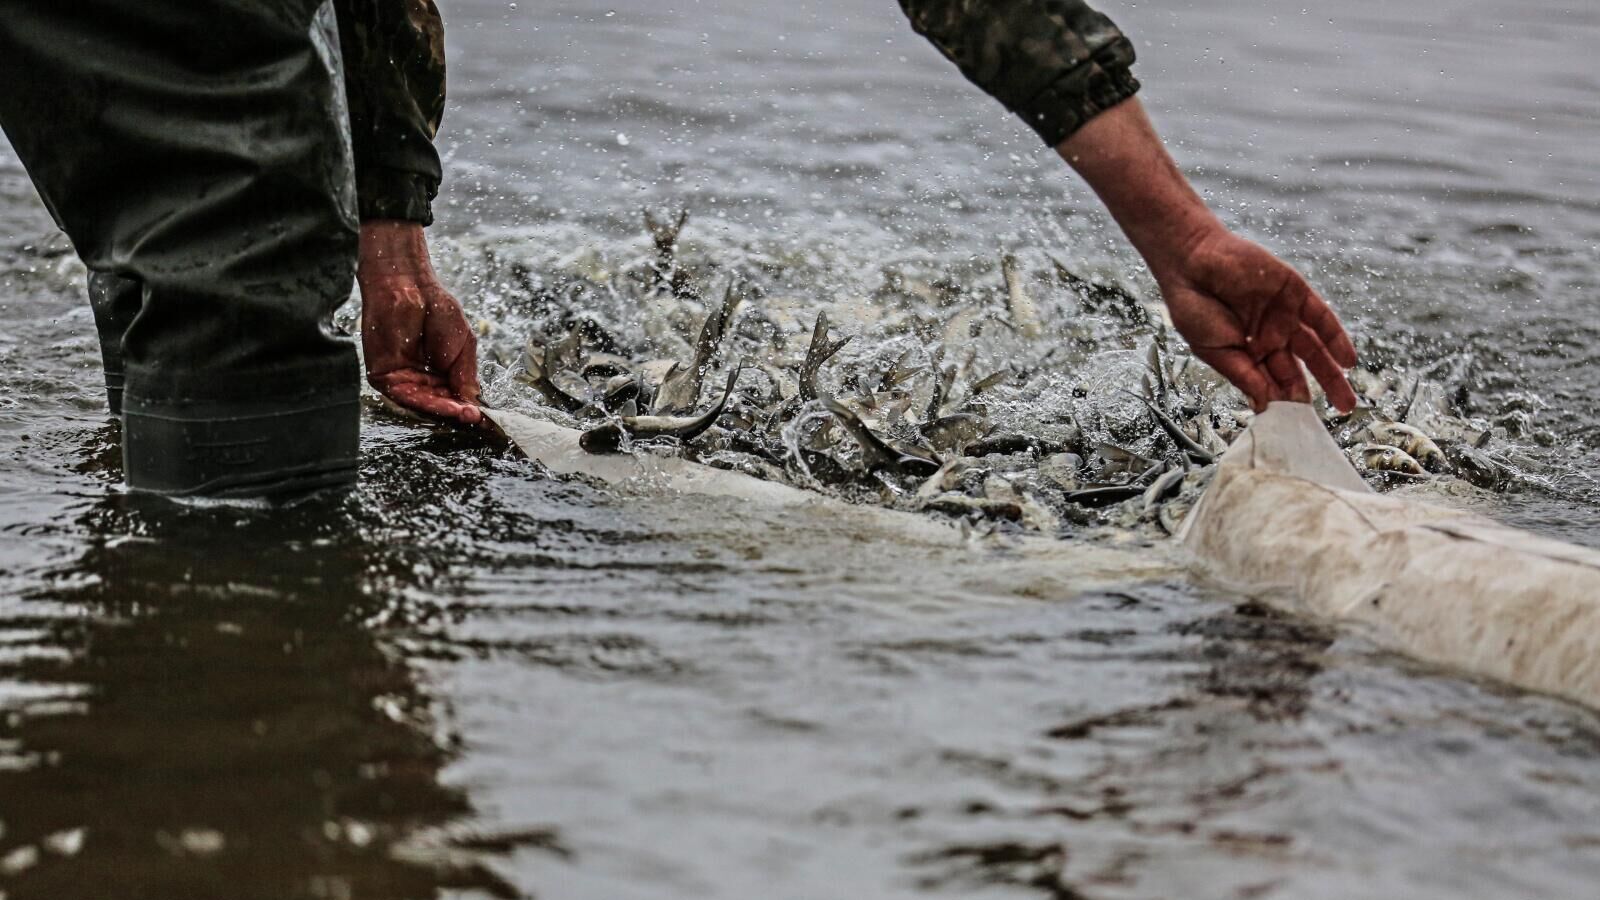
(1249,316)
(420,351)
(1243,311)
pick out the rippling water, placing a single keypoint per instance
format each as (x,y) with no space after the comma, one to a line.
(468,678)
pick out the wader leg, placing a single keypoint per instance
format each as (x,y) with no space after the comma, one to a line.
(115,301)
(200,150)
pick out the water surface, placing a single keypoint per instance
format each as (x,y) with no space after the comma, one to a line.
(468,680)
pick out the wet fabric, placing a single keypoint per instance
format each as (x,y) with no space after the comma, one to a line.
(1286,520)
(1055,63)
(395,79)
(115,301)
(199,154)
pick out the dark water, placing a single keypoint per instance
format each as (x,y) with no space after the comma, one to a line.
(468,680)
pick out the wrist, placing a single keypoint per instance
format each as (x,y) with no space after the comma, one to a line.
(1168,247)
(392,247)
(1119,154)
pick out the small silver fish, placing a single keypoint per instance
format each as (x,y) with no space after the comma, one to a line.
(1382,458)
(665,234)
(1163,487)
(819,352)
(1006,444)
(608,438)
(1024,312)
(1097,297)
(945,479)
(899,373)
(989,381)
(1412,441)
(957,504)
(537,365)
(605,365)
(621,389)
(1476,466)
(680,391)
(878,454)
(952,431)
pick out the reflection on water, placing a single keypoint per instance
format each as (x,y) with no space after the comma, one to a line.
(209,710)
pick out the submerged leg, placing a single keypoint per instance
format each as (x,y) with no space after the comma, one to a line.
(201,151)
(115,301)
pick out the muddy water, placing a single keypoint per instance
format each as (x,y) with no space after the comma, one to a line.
(469,680)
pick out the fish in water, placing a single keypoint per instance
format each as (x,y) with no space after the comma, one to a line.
(1412,441)
(1382,458)
(605,365)
(956,504)
(1099,297)
(665,234)
(1476,466)
(681,389)
(1187,444)
(819,352)
(1024,312)
(1163,487)
(1104,495)
(932,389)
(608,438)
(1005,444)
(621,389)
(538,363)
(878,455)
(899,373)
(952,431)
(985,383)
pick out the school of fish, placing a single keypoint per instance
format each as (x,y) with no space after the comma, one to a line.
(1039,399)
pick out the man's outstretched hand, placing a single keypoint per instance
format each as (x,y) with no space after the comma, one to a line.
(1252,318)
(1243,311)
(420,351)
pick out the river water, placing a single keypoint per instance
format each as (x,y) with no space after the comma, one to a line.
(469,680)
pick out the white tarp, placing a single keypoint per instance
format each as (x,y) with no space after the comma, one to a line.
(1072,566)
(1288,521)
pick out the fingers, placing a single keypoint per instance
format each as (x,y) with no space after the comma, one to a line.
(1242,371)
(1291,381)
(1320,318)
(1309,347)
(427,394)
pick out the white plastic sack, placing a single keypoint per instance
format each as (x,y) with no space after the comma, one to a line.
(1063,568)
(1287,520)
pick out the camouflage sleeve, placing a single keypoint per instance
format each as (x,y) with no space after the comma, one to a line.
(394,78)
(1055,63)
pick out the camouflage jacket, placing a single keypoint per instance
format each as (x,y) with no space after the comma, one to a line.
(394,80)
(1055,63)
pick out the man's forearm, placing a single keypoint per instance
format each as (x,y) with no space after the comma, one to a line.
(1242,310)
(393,247)
(1122,158)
